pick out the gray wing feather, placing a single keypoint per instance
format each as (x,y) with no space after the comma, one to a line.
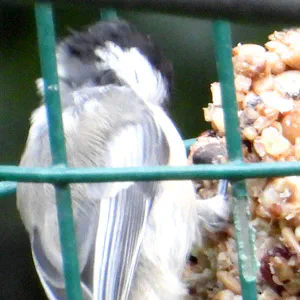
(123,217)
(119,241)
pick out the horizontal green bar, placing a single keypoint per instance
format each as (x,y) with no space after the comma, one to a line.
(7,188)
(188,143)
(232,171)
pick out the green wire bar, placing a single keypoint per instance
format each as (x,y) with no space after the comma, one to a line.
(231,171)
(235,170)
(9,187)
(188,143)
(46,39)
(245,237)
(108,14)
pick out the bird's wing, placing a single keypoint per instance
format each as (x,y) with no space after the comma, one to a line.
(121,226)
(46,250)
(124,209)
(111,220)
(51,278)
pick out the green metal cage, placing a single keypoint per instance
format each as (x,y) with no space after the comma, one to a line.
(235,170)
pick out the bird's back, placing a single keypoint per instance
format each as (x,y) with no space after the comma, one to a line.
(95,139)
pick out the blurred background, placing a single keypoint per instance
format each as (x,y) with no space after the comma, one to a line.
(187,42)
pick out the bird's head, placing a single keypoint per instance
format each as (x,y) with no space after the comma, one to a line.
(114,52)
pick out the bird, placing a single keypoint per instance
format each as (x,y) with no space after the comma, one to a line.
(133,238)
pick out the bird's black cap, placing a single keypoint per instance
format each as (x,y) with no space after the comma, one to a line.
(83,44)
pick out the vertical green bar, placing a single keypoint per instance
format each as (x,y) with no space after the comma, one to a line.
(244,233)
(108,14)
(46,39)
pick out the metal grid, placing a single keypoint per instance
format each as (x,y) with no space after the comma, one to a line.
(235,170)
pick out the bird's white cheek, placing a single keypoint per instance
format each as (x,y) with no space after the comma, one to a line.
(134,69)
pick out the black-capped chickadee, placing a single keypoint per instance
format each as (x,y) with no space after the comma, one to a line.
(133,238)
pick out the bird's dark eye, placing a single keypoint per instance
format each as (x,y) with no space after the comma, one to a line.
(104,78)
(98,58)
(114,36)
(74,51)
(193,260)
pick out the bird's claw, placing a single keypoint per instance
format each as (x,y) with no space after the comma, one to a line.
(214,213)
